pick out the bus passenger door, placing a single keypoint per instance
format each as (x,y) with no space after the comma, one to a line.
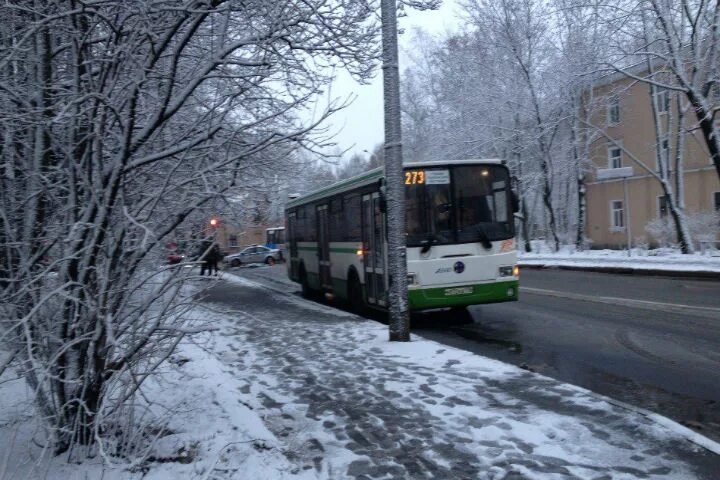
(293,250)
(323,246)
(374,255)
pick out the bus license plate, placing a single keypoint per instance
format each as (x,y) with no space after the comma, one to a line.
(458,291)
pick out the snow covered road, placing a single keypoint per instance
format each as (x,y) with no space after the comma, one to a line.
(348,404)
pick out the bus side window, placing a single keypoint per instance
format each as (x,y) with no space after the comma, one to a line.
(300,226)
(337,218)
(311,227)
(352,231)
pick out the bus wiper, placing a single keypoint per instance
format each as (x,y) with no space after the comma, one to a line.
(484,239)
(427,243)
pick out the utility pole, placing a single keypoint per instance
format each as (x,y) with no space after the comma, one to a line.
(395,187)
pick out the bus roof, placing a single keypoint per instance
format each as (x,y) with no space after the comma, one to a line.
(373,175)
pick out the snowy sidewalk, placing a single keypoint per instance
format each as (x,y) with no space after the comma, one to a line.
(348,404)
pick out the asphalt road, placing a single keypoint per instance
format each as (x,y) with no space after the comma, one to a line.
(653,342)
(649,341)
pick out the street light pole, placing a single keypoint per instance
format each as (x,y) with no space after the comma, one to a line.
(395,187)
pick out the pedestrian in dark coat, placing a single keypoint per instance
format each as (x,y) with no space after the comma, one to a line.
(204,254)
(214,258)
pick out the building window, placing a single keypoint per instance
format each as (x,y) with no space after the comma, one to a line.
(617,215)
(232,240)
(614,157)
(662,99)
(717,201)
(663,206)
(614,111)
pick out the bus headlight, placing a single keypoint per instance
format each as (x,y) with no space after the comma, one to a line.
(506,271)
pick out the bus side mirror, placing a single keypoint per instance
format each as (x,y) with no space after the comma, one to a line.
(383,198)
(515,202)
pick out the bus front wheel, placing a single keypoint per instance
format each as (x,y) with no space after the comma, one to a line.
(461,316)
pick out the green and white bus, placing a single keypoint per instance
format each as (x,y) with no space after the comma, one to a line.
(460,236)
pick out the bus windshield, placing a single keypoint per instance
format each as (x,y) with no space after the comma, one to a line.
(275,236)
(458,204)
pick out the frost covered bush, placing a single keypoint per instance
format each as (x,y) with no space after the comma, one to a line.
(662,231)
(641,245)
(703,226)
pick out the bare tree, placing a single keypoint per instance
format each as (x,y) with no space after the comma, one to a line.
(681,40)
(121,121)
(670,48)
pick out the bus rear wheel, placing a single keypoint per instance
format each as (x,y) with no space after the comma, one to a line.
(307,292)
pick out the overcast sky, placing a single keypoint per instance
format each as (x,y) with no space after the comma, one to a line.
(361,124)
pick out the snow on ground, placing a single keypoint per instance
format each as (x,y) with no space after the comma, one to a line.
(640,259)
(358,406)
(210,431)
(287,388)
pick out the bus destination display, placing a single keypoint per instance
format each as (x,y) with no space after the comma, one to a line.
(427,177)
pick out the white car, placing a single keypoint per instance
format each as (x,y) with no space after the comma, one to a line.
(254,254)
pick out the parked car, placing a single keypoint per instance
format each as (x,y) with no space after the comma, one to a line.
(254,254)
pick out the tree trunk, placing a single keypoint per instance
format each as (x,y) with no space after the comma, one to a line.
(683,233)
(397,264)
(524,226)
(580,184)
(547,201)
(707,127)
(517,148)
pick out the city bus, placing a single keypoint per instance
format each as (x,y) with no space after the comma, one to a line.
(275,238)
(460,237)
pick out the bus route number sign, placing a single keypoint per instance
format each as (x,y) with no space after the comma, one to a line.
(414,177)
(427,177)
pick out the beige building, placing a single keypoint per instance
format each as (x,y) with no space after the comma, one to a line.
(625,138)
(232,238)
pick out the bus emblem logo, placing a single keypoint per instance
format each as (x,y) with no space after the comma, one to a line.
(459,267)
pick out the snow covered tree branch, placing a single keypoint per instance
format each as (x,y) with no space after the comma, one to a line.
(122,124)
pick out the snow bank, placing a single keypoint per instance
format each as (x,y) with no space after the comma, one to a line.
(660,259)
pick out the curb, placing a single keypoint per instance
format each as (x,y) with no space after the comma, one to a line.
(689,434)
(701,275)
